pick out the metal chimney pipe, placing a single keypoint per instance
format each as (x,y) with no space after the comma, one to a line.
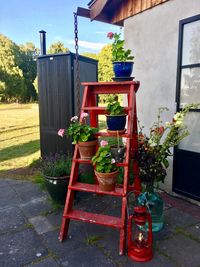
(42,43)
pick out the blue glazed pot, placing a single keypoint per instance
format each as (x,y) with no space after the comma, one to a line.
(116,122)
(122,69)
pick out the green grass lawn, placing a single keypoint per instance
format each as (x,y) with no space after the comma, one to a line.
(19,139)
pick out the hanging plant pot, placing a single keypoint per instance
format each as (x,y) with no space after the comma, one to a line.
(107,181)
(122,69)
(116,122)
(87,149)
(118,152)
(57,187)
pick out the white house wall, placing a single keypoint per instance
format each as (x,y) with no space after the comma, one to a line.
(153,38)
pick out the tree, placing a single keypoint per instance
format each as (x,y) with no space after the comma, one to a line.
(105,69)
(27,63)
(11,76)
(56,48)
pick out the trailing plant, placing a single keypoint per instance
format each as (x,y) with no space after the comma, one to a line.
(79,130)
(154,150)
(118,51)
(113,106)
(103,160)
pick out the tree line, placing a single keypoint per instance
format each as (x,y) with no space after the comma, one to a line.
(18,68)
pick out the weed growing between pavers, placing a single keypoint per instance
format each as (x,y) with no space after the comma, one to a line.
(182,231)
(92,240)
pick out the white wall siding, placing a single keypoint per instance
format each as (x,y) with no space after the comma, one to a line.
(153,38)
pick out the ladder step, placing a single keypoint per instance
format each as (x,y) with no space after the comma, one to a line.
(94,188)
(100,219)
(105,134)
(87,161)
(101,110)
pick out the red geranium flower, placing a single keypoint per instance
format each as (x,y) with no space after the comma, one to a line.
(110,35)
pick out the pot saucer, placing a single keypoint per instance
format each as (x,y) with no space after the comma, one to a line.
(122,79)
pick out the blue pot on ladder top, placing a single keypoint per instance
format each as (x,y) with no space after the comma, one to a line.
(122,69)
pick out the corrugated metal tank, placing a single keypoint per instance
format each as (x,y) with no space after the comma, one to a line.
(57,97)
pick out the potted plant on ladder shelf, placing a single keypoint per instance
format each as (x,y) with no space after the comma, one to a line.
(121,58)
(106,170)
(116,119)
(83,135)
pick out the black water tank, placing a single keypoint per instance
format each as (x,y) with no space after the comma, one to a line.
(57,97)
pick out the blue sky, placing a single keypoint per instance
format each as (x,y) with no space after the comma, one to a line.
(21,20)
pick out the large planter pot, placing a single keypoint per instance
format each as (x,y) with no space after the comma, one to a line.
(156,205)
(118,152)
(57,187)
(107,181)
(87,149)
(116,122)
(122,69)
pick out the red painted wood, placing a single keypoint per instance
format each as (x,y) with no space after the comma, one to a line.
(95,189)
(89,104)
(100,219)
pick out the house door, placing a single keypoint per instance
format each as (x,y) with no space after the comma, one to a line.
(186,176)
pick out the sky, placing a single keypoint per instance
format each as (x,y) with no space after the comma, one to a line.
(21,20)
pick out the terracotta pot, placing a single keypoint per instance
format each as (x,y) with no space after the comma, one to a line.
(107,181)
(87,149)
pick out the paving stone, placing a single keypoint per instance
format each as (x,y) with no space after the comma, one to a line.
(45,263)
(55,218)
(182,250)
(35,206)
(4,183)
(176,218)
(8,197)
(157,261)
(27,191)
(41,224)
(194,231)
(76,239)
(18,249)
(86,256)
(11,218)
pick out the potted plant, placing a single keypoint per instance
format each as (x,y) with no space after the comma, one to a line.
(83,135)
(121,58)
(153,153)
(116,119)
(56,172)
(106,170)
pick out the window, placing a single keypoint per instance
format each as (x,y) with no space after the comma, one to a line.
(188,78)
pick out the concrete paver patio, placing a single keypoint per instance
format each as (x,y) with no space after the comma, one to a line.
(29,229)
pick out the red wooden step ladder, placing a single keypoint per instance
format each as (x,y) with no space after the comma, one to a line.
(90,105)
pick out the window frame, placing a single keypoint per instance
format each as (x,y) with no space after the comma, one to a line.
(179,60)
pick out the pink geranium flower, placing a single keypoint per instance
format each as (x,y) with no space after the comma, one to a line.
(103,143)
(84,115)
(61,132)
(110,35)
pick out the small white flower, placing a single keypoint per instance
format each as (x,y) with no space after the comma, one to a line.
(167,124)
(74,119)
(113,161)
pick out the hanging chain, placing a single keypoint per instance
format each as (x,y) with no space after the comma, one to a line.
(77,73)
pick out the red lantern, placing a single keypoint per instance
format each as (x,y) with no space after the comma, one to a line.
(140,236)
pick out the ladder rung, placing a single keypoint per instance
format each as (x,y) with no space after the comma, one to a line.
(105,134)
(101,110)
(87,161)
(83,161)
(94,188)
(101,219)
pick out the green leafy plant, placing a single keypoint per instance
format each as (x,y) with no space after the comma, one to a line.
(113,106)
(154,150)
(103,160)
(79,130)
(56,165)
(118,51)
